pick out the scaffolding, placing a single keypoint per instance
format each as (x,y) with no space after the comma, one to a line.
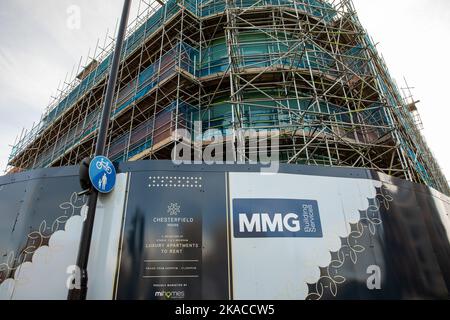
(306,68)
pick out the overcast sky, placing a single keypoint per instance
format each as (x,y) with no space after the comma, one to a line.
(40,44)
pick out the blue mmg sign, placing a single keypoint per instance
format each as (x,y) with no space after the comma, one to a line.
(102,174)
(276,218)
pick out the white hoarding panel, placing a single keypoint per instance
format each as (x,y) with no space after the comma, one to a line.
(284,227)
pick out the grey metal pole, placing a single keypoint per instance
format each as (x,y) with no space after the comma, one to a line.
(101,141)
(88,225)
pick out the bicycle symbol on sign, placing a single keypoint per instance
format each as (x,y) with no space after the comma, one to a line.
(102,164)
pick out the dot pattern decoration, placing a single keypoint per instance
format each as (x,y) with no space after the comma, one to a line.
(175,182)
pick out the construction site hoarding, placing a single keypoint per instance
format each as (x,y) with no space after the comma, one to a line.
(227,232)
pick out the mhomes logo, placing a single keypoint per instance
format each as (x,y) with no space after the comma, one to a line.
(276,218)
(169,294)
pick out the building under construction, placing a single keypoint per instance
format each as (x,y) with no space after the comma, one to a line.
(303,69)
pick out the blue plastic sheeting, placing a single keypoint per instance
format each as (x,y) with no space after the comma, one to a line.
(259,51)
(261,112)
(392,97)
(148,79)
(131,43)
(84,86)
(203,8)
(421,169)
(319,9)
(316,8)
(182,56)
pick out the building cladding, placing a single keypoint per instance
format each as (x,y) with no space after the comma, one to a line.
(304,70)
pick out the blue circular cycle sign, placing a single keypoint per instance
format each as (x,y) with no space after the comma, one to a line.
(102,174)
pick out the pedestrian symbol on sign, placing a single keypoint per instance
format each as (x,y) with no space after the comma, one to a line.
(102,182)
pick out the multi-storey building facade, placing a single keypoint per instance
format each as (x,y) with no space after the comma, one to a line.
(304,70)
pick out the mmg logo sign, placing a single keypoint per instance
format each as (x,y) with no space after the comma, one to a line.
(276,218)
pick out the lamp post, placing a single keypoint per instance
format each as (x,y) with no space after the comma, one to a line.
(88,224)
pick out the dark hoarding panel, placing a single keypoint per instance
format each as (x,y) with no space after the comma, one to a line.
(394,255)
(44,267)
(34,206)
(428,222)
(307,233)
(175,237)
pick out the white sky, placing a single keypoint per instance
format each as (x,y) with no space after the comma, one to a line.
(38,49)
